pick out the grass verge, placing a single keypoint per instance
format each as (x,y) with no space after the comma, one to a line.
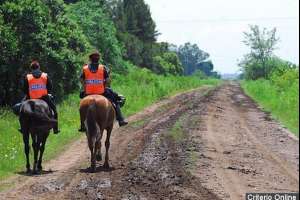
(283,104)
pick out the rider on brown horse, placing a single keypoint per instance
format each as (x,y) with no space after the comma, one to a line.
(37,85)
(94,78)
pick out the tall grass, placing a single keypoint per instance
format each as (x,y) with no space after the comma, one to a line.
(141,88)
(280,96)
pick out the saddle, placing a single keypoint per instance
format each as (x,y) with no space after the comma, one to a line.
(113,97)
(16,108)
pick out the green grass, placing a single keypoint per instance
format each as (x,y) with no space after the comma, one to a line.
(140,87)
(177,131)
(282,102)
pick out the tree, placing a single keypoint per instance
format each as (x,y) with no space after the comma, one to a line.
(207,67)
(262,44)
(99,30)
(136,30)
(190,56)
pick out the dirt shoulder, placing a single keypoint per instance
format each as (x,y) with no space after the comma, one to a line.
(203,144)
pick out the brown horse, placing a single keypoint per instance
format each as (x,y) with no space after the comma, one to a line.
(98,115)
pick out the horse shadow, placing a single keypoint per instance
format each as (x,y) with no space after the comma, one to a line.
(98,169)
(43,172)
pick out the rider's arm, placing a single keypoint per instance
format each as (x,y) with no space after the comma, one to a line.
(106,77)
(82,78)
(25,85)
(49,85)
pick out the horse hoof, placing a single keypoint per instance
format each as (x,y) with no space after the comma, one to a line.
(98,157)
(93,168)
(40,169)
(28,171)
(106,166)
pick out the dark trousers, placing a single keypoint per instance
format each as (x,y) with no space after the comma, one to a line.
(114,98)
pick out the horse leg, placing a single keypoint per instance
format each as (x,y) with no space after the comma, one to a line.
(82,112)
(91,142)
(107,144)
(42,148)
(98,150)
(26,149)
(98,147)
(35,146)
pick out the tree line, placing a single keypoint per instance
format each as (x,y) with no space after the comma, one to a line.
(60,34)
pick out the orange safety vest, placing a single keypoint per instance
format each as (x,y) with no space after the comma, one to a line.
(94,82)
(37,86)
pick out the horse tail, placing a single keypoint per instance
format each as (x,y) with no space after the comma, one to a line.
(91,123)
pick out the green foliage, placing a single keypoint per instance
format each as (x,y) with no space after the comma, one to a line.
(168,63)
(190,56)
(280,96)
(136,30)
(207,68)
(141,88)
(258,63)
(36,29)
(200,74)
(138,20)
(194,60)
(99,30)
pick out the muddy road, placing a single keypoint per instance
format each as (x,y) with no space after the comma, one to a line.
(204,144)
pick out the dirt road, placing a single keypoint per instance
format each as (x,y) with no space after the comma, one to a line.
(203,144)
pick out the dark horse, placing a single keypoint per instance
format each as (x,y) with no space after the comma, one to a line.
(99,115)
(36,120)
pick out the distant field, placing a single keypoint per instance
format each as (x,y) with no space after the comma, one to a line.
(282,102)
(140,87)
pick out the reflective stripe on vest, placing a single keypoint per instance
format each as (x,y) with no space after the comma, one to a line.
(94,82)
(37,86)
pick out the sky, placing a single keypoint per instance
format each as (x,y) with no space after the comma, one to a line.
(217,26)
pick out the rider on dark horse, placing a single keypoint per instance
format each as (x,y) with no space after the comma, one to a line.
(94,78)
(38,85)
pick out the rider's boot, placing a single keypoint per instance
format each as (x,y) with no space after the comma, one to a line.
(55,128)
(82,127)
(52,106)
(119,116)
